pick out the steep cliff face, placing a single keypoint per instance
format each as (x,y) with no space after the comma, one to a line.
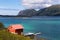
(50,11)
(27,12)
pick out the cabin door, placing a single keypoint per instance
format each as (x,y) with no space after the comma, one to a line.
(19,31)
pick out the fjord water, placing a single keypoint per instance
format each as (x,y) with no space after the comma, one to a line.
(49,26)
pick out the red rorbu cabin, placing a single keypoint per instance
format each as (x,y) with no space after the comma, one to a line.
(15,29)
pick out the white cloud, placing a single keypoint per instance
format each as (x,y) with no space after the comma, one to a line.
(37,3)
(56,2)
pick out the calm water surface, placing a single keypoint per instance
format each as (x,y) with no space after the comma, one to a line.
(49,26)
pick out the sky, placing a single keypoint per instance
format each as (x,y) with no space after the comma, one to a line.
(12,7)
(37,4)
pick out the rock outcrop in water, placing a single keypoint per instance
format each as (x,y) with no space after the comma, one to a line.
(50,11)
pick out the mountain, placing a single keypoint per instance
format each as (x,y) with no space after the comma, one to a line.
(53,10)
(27,12)
(50,11)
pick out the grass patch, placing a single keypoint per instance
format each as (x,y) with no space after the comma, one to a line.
(5,35)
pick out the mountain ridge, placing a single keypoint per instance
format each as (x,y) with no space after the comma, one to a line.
(53,10)
(49,11)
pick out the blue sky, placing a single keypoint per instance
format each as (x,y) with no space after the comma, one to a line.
(10,4)
(15,4)
(5,5)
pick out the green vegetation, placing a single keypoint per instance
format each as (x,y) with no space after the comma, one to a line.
(5,35)
(1,26)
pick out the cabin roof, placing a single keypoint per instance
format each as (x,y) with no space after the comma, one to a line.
(16,26)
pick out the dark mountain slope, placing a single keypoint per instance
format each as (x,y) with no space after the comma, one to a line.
(50,11)
(27,12)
